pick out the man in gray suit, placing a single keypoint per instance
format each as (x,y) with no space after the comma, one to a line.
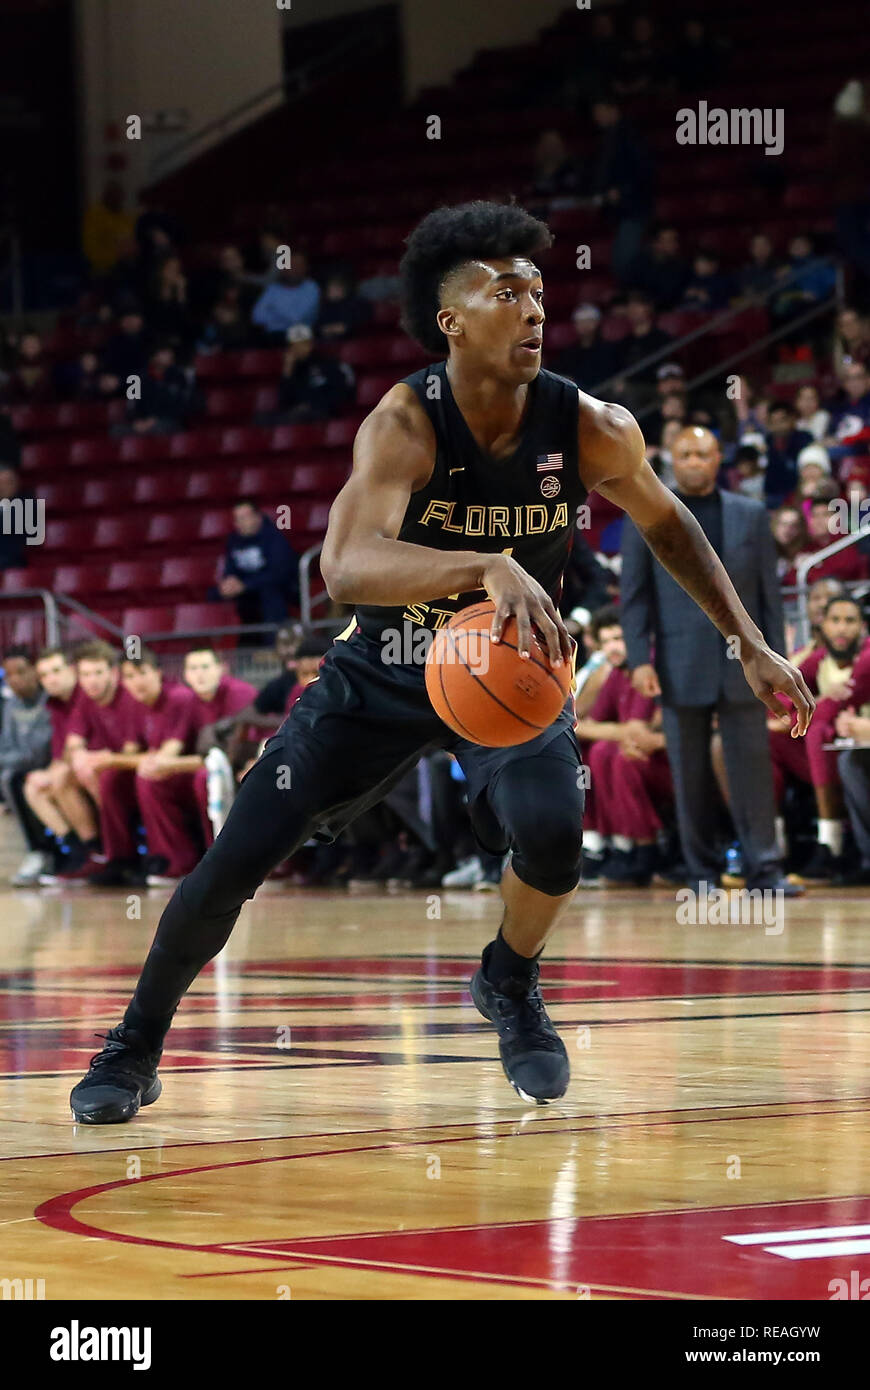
(675,651)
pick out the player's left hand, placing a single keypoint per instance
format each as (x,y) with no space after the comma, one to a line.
(769,674)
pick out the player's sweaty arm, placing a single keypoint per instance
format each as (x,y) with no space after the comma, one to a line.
(614,462)
(363,561)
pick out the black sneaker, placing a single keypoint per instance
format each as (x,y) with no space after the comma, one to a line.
(118,873)
(821,867)
(632,868)
(120,1079)
(532,1053)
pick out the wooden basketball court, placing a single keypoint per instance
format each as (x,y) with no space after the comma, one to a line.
(335,1122)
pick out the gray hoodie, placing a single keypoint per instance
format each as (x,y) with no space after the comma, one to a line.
(25,737)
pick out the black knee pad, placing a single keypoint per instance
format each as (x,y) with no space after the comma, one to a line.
(547,855)
(539,802)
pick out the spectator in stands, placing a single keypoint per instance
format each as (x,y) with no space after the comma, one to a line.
(628,770)
(811,278)
(106,229)
(313,385)
(31,379)
(291,298)
(837,672)
(343,312)
(260,572)
(79,380)
(792,538)
(556,173)
(847,564)
(158,234)
(263,257)
(697,58)
(620,183)
(808,412)
(166,306)
(25,744)
(228,272)
(670,382)
(643,341)
(814,467)
(590,361)
(640,60)
(660,269)
(850,408)
(751,409)
(228,326)
(748,472)
(14,550)
(756,279)
(784,443)
(165,399)
(69,823)
(126,352)
(707,286)
(851,339)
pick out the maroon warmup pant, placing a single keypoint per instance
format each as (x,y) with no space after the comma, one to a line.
(805,758)
(118,813)
(624,792)
(171,816)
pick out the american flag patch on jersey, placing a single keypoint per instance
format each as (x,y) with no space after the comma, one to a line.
(548,461)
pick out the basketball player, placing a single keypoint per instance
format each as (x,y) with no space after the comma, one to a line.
(465,483)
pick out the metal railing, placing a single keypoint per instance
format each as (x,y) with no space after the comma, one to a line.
(809,562)
(722,320)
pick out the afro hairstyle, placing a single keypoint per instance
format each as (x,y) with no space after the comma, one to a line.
(449,237)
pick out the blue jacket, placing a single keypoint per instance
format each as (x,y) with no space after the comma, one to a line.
(264,560)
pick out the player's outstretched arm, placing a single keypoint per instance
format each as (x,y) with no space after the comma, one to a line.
(363,561)
(614,463)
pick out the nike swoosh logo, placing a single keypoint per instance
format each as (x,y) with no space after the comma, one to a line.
(457,470)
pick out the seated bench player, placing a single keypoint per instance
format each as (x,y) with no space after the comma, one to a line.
(155,780)
(838,672)
(53,793)
(629,775)
(103,727)
(218,699)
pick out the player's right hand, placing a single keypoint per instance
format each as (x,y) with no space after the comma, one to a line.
(515,593)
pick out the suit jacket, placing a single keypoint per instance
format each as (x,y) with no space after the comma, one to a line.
(658,616)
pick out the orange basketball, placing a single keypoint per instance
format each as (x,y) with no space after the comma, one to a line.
(484,690)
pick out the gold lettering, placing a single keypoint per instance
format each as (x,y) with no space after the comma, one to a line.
(416,613)
(535,527)
(436,511)
(518,524)
(474,517)
(447,523)
(498,521)
(442,617)
(560,517)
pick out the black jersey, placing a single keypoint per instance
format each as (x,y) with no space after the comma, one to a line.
(523,505)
